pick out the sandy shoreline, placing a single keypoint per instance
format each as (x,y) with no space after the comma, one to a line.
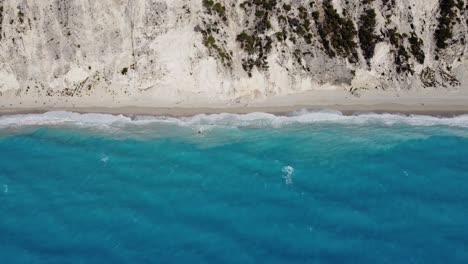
(432,103)
(432,110)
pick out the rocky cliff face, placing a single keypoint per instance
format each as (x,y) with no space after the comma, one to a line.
(229,50)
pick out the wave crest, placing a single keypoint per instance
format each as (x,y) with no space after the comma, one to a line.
(62,118)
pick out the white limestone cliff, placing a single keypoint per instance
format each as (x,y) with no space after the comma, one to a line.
(159,50)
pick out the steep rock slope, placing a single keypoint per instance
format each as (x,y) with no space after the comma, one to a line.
(228,50)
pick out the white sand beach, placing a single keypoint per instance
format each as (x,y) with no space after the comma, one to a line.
(431,102)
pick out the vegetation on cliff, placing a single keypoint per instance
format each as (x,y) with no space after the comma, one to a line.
(367,37)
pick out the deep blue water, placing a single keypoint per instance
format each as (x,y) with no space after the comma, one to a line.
(310,188)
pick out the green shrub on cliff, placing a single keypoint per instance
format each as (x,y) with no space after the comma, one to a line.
(337,32)
(416,48)
(367,37)
(443,32)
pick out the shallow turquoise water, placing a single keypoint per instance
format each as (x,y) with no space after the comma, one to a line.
(308,188)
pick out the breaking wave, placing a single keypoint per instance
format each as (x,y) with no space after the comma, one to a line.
(62,118)
(288,172)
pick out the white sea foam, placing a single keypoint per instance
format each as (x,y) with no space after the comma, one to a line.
(61,118)
(105,159)
(235,120)
(288,172)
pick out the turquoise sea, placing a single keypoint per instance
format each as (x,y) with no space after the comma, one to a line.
(308,187)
